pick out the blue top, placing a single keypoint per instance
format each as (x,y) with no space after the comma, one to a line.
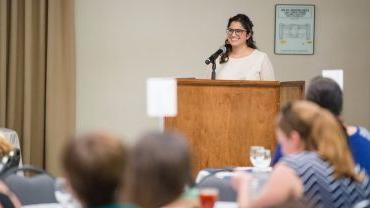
(359,144)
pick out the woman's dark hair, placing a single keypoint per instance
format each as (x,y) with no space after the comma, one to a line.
(158,170)
(94,166)
(248,26)
(326,93)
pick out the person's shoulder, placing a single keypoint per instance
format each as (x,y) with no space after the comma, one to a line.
(261,55)
(257,52)
(362,133)
(183,203)
(301,155)
(304,159)
(297,159)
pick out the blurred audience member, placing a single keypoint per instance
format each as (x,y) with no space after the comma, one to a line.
(7,198)
(317,163)
(158,171)
(327,93)
(5,146)
(93,166)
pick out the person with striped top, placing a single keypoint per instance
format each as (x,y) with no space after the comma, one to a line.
(326,93)
(317,167)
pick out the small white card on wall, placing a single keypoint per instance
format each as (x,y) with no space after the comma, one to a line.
(335,74)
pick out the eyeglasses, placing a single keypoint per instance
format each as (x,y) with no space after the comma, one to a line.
(237,31)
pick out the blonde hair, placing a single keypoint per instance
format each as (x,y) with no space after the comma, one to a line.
(5,146)
(320,132)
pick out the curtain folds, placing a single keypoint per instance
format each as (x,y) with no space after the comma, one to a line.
(37,76)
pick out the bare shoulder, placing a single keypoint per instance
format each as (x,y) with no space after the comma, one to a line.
(3,187)
(5,190)
(282,168)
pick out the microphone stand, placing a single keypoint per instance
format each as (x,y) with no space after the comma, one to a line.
(213,76)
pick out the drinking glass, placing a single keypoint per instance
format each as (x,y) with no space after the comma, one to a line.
(265,159)
(260,157)
(255,154)
(208,197)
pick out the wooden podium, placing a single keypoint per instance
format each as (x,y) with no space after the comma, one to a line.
(222,119)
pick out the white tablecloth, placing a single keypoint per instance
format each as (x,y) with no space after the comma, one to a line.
(221,204)
(223,179)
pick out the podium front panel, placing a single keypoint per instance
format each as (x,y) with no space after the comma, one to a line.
(222,119)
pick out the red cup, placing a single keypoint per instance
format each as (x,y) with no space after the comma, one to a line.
(208,197)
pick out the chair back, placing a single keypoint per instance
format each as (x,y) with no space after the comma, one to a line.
(36,189)
(9,161)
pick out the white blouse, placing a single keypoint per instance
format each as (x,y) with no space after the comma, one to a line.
(256,66)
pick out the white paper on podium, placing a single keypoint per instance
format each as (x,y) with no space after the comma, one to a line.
(335,74)
(161,97)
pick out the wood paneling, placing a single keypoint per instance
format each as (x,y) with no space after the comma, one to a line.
(291,91)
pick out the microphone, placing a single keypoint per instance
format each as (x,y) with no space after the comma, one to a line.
(214,56)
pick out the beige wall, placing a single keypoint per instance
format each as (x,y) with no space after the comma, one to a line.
(122,42)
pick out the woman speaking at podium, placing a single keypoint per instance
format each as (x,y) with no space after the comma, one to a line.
(242,60)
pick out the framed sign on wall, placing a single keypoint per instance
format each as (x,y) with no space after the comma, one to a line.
(294,29)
